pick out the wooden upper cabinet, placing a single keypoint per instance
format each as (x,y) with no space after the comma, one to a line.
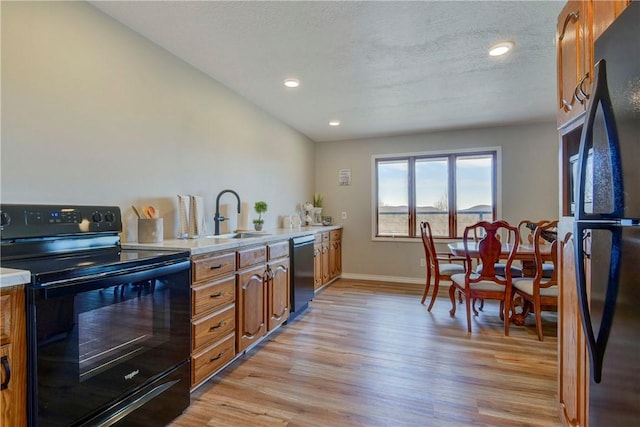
(579,25)
(573,63)
(603,13)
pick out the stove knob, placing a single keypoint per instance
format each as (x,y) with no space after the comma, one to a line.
(5,219)
(109,217)
(97,217)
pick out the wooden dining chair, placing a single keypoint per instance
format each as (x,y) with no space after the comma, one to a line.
(527,229)
(486,284)
(499,266)
(440,265)
(539,291)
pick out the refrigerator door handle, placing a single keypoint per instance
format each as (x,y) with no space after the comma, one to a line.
(598,345)
(600,99)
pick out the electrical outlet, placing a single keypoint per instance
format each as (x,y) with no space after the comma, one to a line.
(423,262)
(344,215)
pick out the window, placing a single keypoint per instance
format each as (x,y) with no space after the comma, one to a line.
(449,190)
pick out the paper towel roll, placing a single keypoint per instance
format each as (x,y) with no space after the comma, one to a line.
(196,217)
(244,217)
(183,212)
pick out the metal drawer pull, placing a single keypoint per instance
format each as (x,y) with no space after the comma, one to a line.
(7,369)
(219,325)
(218,295)
(213,359)
(216,267)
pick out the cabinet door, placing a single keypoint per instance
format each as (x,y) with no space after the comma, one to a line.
(317,266)
(13,351)
(572,358)
(324,253)
(335,259)
(278,293)
(251,325)
(573,61)
(604,13)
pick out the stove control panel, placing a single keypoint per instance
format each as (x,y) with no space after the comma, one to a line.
(28,221)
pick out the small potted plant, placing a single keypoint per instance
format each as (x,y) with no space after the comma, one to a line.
(260,208)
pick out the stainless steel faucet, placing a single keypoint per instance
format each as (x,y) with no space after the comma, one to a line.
(217,219)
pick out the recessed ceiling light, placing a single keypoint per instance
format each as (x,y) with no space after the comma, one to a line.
(291,83)
(501,48)
(334,123)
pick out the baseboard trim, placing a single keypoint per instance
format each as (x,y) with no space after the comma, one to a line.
(376,278)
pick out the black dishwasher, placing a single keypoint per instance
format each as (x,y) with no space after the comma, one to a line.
(301,273)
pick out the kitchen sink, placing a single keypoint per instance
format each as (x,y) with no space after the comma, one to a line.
(244,235)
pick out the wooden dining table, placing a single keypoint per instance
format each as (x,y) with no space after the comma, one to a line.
(525,253)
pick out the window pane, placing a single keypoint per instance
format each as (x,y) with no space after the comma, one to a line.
(393,197)
(432,194)
(474,190)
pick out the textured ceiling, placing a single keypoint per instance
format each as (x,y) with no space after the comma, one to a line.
(381,68)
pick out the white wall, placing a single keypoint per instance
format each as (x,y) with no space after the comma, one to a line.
(93,113)
(529,189)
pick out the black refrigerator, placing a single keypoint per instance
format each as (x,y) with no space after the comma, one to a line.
(607,225)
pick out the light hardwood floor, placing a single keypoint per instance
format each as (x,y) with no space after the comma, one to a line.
(369,354)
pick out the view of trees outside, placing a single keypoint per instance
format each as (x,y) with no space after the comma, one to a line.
(473,189)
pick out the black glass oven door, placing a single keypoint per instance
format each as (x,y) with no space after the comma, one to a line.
(100,340)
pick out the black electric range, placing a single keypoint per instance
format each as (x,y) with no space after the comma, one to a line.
(108,329)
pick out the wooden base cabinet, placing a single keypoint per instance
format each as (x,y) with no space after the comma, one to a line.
(335,254)
(278,287)
(324,255)
(251,314)
(263,291)
(317,262)
(213,314)
(237,298)
(327,257)
(13,353)
(573,366)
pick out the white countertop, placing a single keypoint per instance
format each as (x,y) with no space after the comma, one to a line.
(207,244)
(12,277)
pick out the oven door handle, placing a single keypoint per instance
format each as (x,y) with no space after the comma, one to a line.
(106,279)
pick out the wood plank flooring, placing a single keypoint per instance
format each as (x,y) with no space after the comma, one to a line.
(369,354)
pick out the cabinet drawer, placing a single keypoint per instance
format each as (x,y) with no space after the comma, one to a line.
(318,238)
(335,235)
(252,256)
(211,359)
(278,250)
(209,267)
(325,236)
(211,296)
(213,327)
